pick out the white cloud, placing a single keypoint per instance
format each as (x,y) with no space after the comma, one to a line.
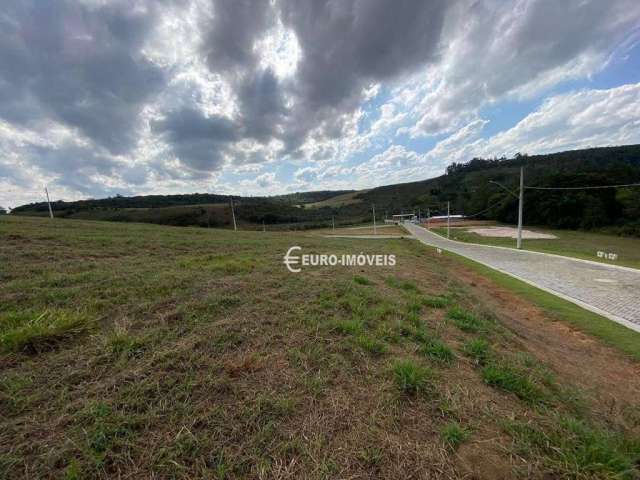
(580,119)
(492,53)
(485,54)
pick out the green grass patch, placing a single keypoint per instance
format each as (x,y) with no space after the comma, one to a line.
(348,326)
(514,380)
(572,448)
(371,345)
(465,321)
(436,301)
(438,350)
(32,332)
(478,349)
(402,284)
(105,430)
(360,280)
(454,434)
(411,377)
(612,333)
(125,344)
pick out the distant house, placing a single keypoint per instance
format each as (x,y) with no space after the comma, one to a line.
(403,217)
(444,217)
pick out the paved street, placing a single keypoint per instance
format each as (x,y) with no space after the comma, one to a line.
(610,291)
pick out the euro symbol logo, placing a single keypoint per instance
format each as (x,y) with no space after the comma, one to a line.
(292,259)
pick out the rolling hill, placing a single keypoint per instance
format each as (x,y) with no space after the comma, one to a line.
(467,186)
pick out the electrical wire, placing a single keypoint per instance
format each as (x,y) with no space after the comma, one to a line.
(482,211)
(584,188)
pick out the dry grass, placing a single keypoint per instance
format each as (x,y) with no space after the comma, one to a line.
(202,357)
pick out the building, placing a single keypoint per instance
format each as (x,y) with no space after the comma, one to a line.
(403,217)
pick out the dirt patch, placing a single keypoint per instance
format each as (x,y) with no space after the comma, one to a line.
(509,232)
(611,378)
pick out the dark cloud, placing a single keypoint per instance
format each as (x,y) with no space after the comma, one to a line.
(82,66)
(231,35)
(198,141)
(349,43)
(261,105)
(345,45)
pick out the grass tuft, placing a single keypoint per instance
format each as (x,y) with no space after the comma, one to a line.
(362,280)
(512,380)
(371,345)
(436,302)
(348,326)
(478,349)
(465,321)
(438,350)
(123,343)
(454,434)
(406,285)
(573,448)
(411,377)
(38,333)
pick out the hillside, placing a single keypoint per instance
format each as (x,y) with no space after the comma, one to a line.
(467,186)
(145,351)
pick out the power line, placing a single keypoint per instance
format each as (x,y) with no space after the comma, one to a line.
(585,188)
(483,211)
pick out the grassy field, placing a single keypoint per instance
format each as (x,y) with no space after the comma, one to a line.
(570,243)
(364,230)
(138,351)
(338,200)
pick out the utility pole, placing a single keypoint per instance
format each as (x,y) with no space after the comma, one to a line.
(419,216)
(264,229)
(448,219)
(233,214)
(520,197)
(428,219)
(375,232)
(333,224)
(520,207)
(48,202)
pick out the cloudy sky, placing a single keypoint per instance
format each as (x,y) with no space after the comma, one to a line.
(257,97)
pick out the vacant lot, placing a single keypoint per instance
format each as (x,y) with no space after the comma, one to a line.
(571,243)
(136,351)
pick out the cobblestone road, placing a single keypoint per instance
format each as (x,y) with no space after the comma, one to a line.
(610,291)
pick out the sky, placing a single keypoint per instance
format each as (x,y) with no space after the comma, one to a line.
(262,97)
